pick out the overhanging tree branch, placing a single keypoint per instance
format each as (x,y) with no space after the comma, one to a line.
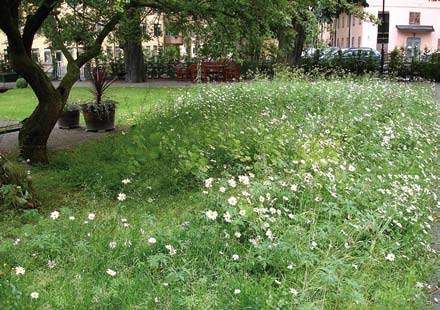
(8,17)
(94,49)
(34,22)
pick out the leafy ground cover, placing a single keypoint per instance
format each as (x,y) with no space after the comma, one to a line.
(17,104)
(266,195)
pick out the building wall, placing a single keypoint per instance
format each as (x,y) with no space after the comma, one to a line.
(349,31)
(399,15)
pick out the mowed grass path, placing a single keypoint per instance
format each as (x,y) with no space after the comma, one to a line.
(17,104)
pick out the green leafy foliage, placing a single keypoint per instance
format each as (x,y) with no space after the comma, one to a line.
(21,83)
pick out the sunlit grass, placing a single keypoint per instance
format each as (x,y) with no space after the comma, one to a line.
(17,104)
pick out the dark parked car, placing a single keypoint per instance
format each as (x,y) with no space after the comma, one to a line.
(360,54)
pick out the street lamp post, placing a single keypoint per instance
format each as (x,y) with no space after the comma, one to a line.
(382,58)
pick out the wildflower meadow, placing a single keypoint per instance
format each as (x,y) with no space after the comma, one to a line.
(284,194)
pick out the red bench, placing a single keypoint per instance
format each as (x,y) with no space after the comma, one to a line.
(216,71)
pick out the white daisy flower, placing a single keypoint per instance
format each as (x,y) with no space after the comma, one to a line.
(293,292)
(54,215)
(35,295)
(212,215)
(122,197)
(19,270)
(111,272)
(232,201)
(390,257)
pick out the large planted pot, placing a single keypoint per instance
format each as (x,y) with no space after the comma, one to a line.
(68,119)
(99,117)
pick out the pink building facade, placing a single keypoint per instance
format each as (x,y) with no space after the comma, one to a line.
(413,25)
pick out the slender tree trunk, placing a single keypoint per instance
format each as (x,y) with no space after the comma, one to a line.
(283,45)
(294,58)
(133,54)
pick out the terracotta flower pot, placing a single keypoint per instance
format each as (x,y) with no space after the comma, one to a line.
(68,119)
(98,120)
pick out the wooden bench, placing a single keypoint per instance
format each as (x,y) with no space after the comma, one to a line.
(216,71)
(10,128)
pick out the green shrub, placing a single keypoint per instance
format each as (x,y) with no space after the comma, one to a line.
(21,83)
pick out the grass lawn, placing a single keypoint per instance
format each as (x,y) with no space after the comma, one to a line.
(17,104)
(267,195)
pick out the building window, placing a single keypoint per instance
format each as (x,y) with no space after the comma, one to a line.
(352,41)
(383,31)
(343,21)
(47,56)
(36,55)
(338,22)
(58,55)
(354,20)
(359,41)
(348,42)
(414,18)
(147,52)
(155,50)
(413,46)
(348,21)
(337,42)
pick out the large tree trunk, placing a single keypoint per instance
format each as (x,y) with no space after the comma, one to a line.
(36,129)
(294,58)
(133,55)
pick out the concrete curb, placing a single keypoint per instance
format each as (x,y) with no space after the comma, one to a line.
(435,278)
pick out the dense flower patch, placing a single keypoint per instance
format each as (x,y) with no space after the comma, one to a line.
(284,195)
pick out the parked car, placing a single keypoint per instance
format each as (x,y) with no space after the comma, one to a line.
(308,52)
(328,52)
(360,54)
(429,57)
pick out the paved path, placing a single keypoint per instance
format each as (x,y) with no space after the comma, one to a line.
(59,138)
(148,83)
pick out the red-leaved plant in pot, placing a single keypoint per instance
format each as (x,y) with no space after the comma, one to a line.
(100,114)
